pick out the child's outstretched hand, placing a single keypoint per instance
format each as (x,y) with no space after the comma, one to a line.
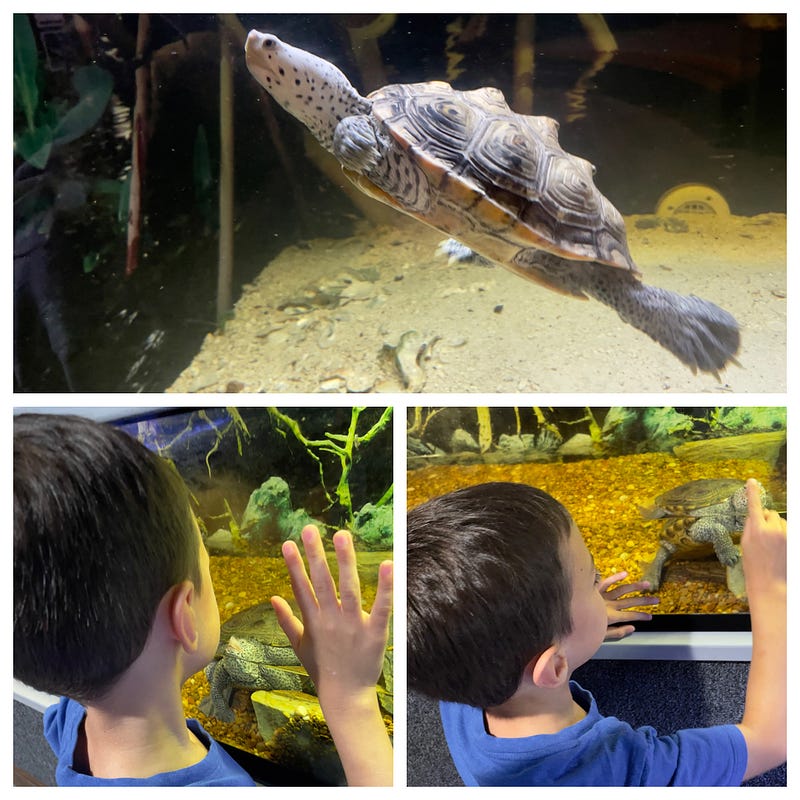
(619,605)
(763,545)
(342,647)
(764,562)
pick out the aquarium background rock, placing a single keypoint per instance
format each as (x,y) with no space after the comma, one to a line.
(269,517)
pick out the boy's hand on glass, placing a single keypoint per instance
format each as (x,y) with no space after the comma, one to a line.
(340,645)
(619,604)
(763,545)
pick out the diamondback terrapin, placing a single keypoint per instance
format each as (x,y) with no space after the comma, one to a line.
(254,653)
(701,517)
(498,182)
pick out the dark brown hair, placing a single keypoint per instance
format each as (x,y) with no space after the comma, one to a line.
(102,530)
(487,590)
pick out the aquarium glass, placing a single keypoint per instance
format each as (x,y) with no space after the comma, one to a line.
(612,467)
(256,477)
(176,229)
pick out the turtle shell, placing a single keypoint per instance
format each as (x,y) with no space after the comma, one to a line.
(259,623)
(690,499)
(499,177)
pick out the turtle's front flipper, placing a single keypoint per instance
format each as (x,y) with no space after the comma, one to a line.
(734,577)
(217,703)
(355,144)
(704,530)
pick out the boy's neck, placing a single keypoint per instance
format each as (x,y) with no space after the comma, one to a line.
(136,731)
(532,711)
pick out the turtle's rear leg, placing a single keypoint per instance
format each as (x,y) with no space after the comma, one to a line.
(702,335)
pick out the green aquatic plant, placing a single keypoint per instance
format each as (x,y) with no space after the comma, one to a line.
(235,423)
(48,124)
(741,419)
(341,445)
(419,419)
(664,423)
(484,428)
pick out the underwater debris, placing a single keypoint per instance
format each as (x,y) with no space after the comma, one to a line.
(692,198)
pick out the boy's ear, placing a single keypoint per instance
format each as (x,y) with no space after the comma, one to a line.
(182,617)
(550,669)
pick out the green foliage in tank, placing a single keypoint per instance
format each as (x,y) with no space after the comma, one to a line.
(343,445)
(740,419)
(44,125)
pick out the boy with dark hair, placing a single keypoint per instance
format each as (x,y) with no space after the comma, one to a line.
(504,602)
(114,609)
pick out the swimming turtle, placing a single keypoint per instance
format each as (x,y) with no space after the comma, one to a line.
(498,182)
(701,517)
(253,653)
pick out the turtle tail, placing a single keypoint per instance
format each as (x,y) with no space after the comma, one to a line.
(702,335)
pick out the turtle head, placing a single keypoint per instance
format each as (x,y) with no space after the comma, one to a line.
(308,87)
(738,499)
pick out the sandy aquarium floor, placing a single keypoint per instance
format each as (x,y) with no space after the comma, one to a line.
(382,312)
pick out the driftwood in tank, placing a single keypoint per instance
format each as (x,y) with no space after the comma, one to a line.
(604,47)
(139,138)
(524,57)
(225,247)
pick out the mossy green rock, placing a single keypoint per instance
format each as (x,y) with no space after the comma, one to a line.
(269,517)
(374,526)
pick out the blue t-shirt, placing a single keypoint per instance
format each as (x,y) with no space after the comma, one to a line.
(62,722)
(597,751)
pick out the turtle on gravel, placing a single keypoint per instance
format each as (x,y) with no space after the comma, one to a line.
(254,653)
(498,182)
(701,517)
